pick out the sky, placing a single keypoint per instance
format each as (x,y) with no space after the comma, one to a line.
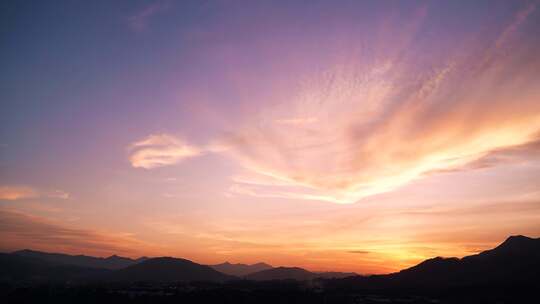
(359,136)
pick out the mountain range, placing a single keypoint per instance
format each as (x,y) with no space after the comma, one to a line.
(240,270)
(18,268)
(112,262)
(167,269)
(515,261)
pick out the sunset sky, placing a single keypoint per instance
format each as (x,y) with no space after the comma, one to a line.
(357,136)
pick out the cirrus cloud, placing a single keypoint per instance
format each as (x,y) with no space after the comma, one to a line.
(12,193)
(367,126)
(376,125)
(160,150)
(18,229)
(21,192)
(139,20)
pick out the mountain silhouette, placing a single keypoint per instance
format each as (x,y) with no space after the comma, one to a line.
(23,268)
(508,273)
(167,269)
(514,246)
(17,267)
(240,270)
(112,262)
(517,258)
(515,262)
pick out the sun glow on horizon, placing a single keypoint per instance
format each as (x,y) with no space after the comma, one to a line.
(348,136)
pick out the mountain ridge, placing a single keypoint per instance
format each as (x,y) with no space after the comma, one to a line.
(168,269)
(240,269)
(516,261)
(112,262)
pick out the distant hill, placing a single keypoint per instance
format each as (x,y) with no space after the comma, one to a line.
(167,269)
(112,262)
(240,270)
(15,267)
(509,273)
(21,268)
(515,262)
(515,259)
(18,268)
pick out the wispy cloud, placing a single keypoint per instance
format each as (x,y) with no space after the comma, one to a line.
(375,126)
(297,121)
(363,127)
(359,251)
(59,194)
(19,192)
(18,230)
(523,153)
(366,239)
(263,192)
(519,18)
(160,150)
(139,21)
(12,193)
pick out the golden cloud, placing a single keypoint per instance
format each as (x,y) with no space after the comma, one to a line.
(18,229)
(364,127)
(12,193)
(160,150)
(19,192)
(375,126)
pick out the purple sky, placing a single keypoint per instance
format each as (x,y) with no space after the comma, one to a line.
(333,135)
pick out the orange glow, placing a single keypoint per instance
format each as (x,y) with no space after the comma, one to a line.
(364,138)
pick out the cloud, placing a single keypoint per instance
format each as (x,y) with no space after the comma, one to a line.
(20,192)
(12,193)
(377,125)
(59,194)
(160,150)
(523,153)
(519,18)
(139,21)
(359,251)
(18,229)
(383,144)
(364,126)
(261,192)
(297,121)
